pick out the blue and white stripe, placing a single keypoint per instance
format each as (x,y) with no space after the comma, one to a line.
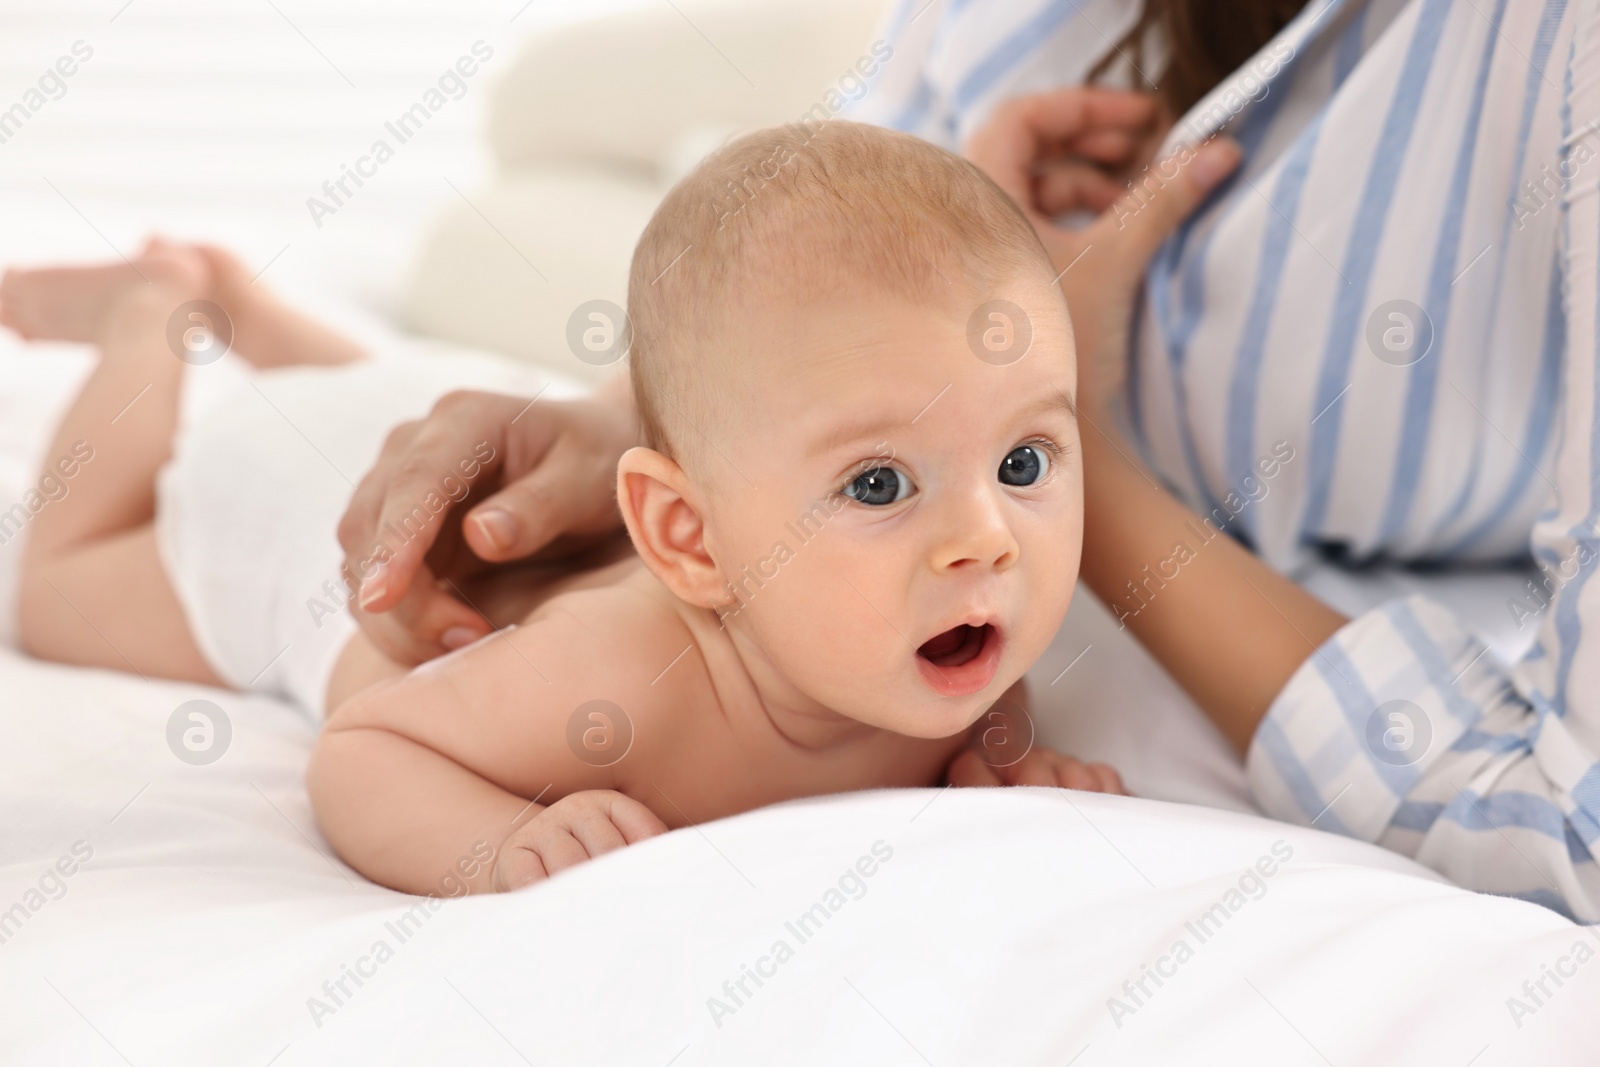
(1441,152)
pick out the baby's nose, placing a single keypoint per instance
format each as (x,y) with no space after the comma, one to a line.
(975,535)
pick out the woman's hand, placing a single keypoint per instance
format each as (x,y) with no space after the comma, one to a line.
(1067,151)
(1074,150)
(545,483)
(1228,628)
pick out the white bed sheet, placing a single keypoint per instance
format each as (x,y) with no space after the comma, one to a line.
(210,915)
(211,911)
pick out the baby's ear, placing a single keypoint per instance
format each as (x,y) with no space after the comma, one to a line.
(668,532)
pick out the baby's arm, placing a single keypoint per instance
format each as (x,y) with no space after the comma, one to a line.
(427,781)
(1002,752)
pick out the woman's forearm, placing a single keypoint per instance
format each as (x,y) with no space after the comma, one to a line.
(407,817)
(1228,628)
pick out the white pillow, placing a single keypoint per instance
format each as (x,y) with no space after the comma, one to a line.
(546,243)
(626,87)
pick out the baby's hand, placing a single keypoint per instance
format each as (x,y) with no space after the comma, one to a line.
(574,829)
(1040,766)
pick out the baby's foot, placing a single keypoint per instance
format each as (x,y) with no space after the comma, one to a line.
(231,282)
(74,303)
(266,331)
(62,303)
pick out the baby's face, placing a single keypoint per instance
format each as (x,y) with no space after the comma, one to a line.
(899,519)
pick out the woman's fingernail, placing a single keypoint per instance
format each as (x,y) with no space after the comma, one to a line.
(498,527)
(1213,162)
(457,637)
(376,584)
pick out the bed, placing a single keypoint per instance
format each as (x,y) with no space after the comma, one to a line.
(157,911)
(160,911)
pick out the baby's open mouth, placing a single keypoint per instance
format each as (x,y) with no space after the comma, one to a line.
(957,645)
(961,660)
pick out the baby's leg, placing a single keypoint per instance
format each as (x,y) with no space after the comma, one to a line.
(70,303)
(93,591)
(266,331)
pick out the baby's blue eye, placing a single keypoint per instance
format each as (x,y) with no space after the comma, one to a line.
(1026,465)
(879,486)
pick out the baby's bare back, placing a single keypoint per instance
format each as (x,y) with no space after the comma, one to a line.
(611,683)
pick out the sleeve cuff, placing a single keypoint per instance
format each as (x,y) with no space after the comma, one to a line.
(1365,716)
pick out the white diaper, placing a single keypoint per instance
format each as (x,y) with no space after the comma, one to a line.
(247,510)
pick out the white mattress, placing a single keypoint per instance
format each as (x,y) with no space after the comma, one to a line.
(203,926)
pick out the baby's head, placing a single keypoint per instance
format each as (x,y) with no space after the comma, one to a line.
(855,373)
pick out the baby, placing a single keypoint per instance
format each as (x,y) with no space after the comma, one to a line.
(856,523)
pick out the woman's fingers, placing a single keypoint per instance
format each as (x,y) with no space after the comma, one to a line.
(418,615)
(551,471)
(394,518)
(1165,195)
(1064,186)
(558,496)
(1108,147)
(1069,112)
(461,443)
(360,519)
(1025,130)
(426,621)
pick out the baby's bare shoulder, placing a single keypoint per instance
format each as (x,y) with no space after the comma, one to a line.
(548,704)
(633,643)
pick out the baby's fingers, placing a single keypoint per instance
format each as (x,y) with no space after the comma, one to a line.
(573,831)
(519,866)
(543,856)
(632,819)
(1110,780)
(1036,768)
(614,822)
(1089,777)
(968,769)
(1072,774)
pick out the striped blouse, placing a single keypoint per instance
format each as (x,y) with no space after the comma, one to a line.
(1398,291)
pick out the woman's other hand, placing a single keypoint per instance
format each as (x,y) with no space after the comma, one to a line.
(545,483)
(1075,150)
